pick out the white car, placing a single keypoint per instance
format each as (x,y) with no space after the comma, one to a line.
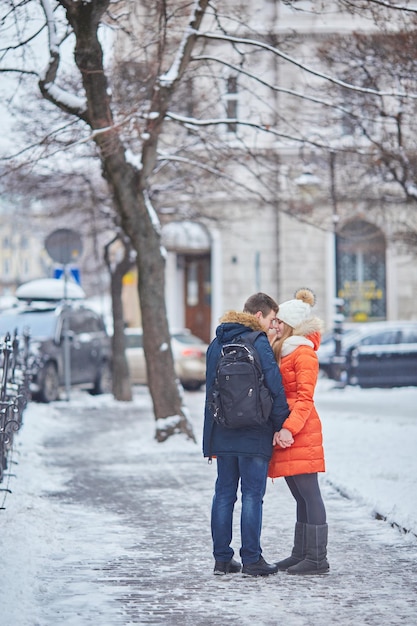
(189,354)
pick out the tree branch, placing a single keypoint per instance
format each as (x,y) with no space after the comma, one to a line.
(67,102)
(302,66)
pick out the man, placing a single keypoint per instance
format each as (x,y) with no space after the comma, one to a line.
(244,453)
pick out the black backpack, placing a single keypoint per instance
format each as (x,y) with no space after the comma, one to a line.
(239,397)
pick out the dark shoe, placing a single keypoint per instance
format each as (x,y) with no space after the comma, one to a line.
(315,561)
(226,567)
(260,568)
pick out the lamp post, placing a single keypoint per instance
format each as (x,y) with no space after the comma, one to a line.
(338,359)
(308,185)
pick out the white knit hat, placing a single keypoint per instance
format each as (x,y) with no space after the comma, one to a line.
(294,312)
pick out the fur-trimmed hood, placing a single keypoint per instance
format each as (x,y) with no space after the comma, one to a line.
(308,333)
(234,323)
(309,326)
(246,319)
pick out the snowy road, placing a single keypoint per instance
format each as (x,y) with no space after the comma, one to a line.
(106,527)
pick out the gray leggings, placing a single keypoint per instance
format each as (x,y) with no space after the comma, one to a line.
(306,491)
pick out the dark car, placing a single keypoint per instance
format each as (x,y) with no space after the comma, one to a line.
(89,346)
(329,363)
(377,354)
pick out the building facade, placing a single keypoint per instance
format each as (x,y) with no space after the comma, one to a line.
(307,219)
(21,252)
(276,201)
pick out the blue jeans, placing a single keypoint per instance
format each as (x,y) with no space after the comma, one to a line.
(252,472)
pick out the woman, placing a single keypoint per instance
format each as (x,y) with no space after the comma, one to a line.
(295,344)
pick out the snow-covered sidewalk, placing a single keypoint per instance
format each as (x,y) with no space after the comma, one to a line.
(107,527)
(370,438)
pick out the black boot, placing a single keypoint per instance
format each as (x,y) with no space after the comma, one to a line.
(315,561)
(226,567)
(260,568)
(299,550)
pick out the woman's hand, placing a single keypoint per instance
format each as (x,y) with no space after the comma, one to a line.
(283,438)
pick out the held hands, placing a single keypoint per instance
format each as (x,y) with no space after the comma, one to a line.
(283,438)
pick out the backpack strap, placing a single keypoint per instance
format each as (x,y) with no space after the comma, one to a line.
(253,335)
(251,338)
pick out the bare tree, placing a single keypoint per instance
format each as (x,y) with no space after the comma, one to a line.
(129,183)
(382,127)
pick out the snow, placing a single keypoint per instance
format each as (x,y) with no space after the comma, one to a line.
(153,216)
(134,159)
(50,289)
(52,34)
(70,101)
(167,79)
(370,447)
(106,526)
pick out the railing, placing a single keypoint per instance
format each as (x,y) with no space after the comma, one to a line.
(14,393)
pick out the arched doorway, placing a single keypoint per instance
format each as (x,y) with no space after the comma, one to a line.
(191,244)
(360,270)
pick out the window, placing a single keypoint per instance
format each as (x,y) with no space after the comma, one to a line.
(383,338)
(360,270)
(133,340)
(409,335)
(231,103)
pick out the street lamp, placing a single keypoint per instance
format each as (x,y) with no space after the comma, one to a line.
(308,185)
(338,359)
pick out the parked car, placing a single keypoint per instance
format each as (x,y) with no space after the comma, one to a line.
(327,349)
(89,346)
(189,354)
(376,354)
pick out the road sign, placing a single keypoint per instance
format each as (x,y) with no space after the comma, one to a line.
(64,246)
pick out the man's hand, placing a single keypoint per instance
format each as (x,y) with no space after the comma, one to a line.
(283,438)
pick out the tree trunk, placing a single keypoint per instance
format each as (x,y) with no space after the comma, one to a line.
(122,388)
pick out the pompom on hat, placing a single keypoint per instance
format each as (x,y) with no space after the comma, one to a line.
(294,312)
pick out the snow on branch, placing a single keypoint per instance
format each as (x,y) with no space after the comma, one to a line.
(61,98)
(65,100)
(184,51)
(193,122)
(152,213)
(52,32)
(411,190)
(302,66)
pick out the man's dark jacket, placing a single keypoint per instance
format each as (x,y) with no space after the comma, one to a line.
(253,441)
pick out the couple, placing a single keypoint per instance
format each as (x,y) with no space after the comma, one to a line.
(289,445)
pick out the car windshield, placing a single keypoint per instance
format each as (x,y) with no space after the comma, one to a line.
(40,323)
(187,338)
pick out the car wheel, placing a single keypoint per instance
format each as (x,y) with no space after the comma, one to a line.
(49,385)
(323,373)
(193,385)
(104,380)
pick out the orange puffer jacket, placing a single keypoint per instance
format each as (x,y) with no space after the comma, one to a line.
(299,369)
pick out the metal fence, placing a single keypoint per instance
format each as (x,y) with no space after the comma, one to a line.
(14,393)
